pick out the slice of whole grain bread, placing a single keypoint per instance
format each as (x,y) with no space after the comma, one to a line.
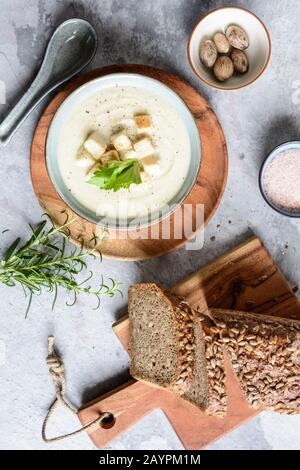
(208,390)
(161,337)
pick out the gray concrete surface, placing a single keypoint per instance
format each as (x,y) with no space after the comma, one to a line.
(254,120)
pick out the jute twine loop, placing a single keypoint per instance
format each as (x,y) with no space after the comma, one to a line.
(57,373)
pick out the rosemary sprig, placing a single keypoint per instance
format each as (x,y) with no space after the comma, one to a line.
(42,263)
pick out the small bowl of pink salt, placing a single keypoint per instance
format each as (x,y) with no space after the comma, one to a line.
(279,179)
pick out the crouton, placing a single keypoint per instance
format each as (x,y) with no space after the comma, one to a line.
(95,145)
(84,159)
(143,121)
(151,165)
(128,154)
(121,141)
(143,148)
(108,156)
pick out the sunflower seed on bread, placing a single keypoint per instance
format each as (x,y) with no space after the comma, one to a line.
(267,361)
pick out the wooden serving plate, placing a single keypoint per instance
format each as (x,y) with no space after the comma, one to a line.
(208,189)
(246,279)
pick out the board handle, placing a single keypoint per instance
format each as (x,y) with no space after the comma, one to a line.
(125,406)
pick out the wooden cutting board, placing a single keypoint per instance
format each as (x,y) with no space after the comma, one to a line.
(207,191)
(245,278)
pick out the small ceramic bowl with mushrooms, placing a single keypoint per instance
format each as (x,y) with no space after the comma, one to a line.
(229,48)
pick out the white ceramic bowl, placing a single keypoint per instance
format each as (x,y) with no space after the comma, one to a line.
(258,52)
(65,112)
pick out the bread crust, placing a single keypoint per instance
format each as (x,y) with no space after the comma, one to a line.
(215,402)
(217,394)
(264,351)
(183,321)
(265,356)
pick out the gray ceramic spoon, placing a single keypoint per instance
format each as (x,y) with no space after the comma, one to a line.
(70,49)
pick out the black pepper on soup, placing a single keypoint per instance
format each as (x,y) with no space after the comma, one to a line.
(282,180)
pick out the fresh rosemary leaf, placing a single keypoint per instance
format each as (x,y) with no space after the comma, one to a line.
(10,251)
(42,263)
(117,175)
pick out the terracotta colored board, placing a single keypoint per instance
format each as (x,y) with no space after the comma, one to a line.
(246,278)
(207,191)
(135,400)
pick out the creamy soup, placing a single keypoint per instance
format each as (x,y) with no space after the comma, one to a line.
(109,111)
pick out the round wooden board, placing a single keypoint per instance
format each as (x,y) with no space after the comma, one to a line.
(207,191)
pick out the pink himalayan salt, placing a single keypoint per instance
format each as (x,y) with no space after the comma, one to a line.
(282,180)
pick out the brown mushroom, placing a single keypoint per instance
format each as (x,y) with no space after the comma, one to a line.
(222,43)
(223,68)
(208,53)
(240,61)
(237,37)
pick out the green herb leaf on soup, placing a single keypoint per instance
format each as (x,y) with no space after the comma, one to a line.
(117,175)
